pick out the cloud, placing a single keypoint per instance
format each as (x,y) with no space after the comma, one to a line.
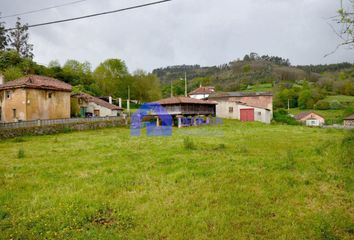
(184,32)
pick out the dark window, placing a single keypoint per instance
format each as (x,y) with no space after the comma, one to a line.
(14,113)
(50,95)
(8,94)
(231,109)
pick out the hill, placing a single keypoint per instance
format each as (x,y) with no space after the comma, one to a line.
(252,70)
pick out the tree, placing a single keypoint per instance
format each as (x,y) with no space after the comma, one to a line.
(3,37)
(19,40)
(112,77)
(146,87)
(345,18)
(305,100)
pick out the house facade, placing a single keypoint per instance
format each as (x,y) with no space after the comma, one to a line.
(202,92)
(349,121)
(244,106)
(34,97)
(90,106)
(310,119)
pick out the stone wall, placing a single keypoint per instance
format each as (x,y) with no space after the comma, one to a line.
(59,128)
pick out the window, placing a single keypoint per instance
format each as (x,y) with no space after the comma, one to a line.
(231,109)
(259,113)
(8,94)
(14,113)
(49,95)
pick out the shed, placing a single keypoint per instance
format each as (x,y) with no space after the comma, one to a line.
(349,121)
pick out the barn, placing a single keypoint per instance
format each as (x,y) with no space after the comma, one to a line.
(245,106)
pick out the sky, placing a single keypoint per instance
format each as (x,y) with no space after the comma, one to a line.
(204,32)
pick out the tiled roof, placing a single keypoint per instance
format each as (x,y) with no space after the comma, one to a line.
(180,100)
(304,114)
(203,90)
(100,102)
(38,82)
(239,94)
(351,117)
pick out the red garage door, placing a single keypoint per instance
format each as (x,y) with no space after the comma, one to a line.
(247,115)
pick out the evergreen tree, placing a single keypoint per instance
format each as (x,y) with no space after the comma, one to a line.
(3,37)
(19,40)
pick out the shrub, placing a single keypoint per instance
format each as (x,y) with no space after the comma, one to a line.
(21,153)
(335,104)
(188,144)
(322,105)
(282,116)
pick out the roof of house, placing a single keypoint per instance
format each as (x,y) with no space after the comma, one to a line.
(38,82)
(251,105)
(100,102)
(184,100)
(304,114)
(351,117)
(239,94)
(203,90)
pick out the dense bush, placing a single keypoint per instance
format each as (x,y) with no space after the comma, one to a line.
(335,104)
(322,105)
(282,116)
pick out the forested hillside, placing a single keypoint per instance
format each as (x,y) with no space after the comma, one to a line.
(305,87)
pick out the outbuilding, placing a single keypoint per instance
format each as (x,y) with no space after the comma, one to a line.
(349,121)
(310,119)
(90,106)
(244,106)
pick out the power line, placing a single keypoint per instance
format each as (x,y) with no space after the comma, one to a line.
(43,9)
(94,15)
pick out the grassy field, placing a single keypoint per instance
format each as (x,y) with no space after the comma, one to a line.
(233,181)
(340,98)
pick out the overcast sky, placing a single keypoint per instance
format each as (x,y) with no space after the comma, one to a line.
(205,32)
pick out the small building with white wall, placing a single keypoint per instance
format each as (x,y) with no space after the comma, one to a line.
(91,106)
(310,119)
(202,92)
(244,106)
(243,112)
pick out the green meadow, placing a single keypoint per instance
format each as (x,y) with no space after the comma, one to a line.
(232,181)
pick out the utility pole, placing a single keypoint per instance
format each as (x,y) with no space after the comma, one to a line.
(288,105)
(128,101)
(171,89)
(185,84)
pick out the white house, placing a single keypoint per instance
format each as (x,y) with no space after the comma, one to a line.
(201,92)
(310,119)
(93,106)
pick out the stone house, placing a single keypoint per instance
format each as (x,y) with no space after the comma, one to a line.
(34,97)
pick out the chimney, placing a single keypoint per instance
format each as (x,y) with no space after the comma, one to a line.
(120,102)
(1,79)
(110,99)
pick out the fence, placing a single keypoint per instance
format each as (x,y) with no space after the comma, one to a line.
(50,122)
